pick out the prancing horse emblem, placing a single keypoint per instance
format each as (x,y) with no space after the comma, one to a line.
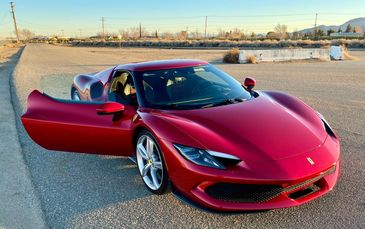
(310,160)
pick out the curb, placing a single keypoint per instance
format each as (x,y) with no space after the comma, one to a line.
(34,207)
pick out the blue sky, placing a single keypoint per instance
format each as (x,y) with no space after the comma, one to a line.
(73,18)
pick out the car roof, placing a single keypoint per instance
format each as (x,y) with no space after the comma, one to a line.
(161,64)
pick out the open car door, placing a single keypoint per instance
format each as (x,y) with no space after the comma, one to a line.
(85,127)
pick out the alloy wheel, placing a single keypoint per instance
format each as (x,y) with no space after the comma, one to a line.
(149,161)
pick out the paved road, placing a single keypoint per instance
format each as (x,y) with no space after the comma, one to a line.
(93,191)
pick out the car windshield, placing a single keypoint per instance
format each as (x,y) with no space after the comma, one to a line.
(189,88)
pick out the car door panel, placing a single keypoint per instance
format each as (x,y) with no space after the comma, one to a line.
(75,126)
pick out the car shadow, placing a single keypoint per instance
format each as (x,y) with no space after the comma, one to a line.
(70,184)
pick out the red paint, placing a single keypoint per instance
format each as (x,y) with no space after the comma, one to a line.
(160,64)
(273,135)
(250,82)
(76,127)
(109,108)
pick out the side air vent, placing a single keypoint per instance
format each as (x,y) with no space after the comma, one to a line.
(96,90)
(328,129)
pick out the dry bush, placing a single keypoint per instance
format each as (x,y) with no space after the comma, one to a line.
(11,45)
(348,56)
(232,56)
(223,43)
(251,59)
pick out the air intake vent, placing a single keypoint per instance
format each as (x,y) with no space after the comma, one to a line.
(243,192)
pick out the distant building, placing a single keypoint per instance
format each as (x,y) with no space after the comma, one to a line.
(346,35)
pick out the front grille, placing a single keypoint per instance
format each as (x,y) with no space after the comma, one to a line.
(243,192)
(255,193)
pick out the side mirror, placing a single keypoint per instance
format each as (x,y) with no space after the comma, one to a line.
(249,83)
(111,108)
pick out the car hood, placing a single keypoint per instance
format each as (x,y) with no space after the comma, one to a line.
(255,130)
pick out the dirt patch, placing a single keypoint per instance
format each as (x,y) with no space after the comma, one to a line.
(6,52)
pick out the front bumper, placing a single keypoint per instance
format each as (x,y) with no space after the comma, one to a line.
(295,180)
(293,195)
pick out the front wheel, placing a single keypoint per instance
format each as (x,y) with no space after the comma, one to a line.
(150,163)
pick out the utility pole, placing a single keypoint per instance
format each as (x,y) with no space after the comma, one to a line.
(205,30)
(15,25)
(140,30)
(315,26)
(102,26)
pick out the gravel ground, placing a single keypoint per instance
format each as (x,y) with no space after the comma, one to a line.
(86,191)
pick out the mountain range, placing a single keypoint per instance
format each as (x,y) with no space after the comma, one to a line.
(357,22)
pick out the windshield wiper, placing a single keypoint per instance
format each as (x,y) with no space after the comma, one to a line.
(223,102)
(175,106)
(219,103)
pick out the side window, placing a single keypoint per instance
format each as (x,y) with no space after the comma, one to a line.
(122,88)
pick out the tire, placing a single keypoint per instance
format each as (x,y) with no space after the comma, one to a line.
(150,163)
(75,95)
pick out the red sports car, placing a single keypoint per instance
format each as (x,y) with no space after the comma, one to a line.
(194,128)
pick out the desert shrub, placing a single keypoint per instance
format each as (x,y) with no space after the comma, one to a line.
(232,56)
(348,56)
(251,59)
(223,43)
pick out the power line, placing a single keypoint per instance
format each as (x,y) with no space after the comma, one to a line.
(15,25)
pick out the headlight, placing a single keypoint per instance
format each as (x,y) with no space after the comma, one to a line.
(205,157)
(326,125)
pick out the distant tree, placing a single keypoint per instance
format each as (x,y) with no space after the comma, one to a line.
(330,31)
(357,29)
(132,32)
(319,33)
(236,34)
(26,34)
(253,35)
(274,35)
(339,30)
(222,33)
(196,34)
(182,34)
(281,30)
(349,29)
(308,35)
(270,35)
(124,33)
(168,35)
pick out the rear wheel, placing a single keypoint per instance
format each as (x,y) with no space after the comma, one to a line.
(150,163)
